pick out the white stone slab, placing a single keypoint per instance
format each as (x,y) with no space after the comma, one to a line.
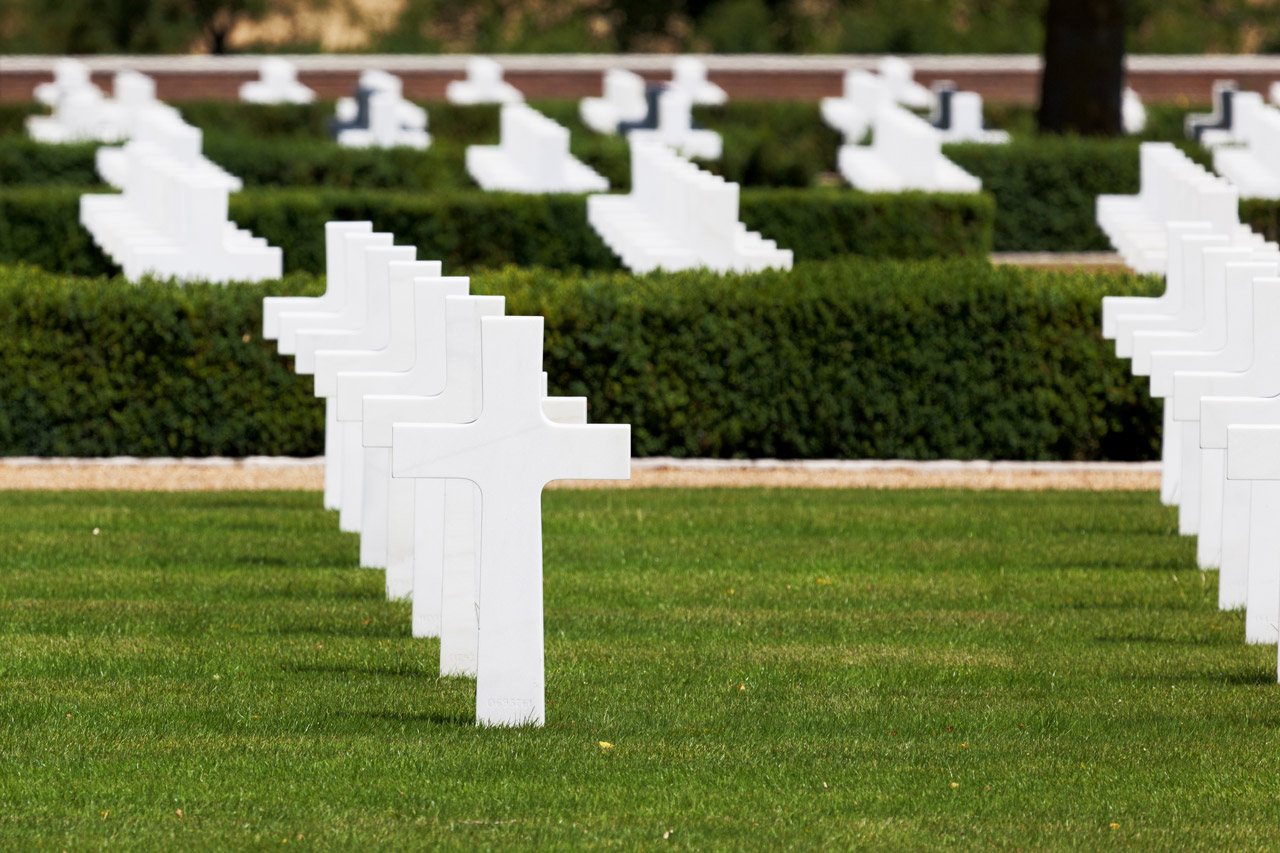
(483,85)
(69,75)
(532,156)
(905,154)
(171,221)
(277,84)
(335,294)
(689,75)
(678,216)
(958,117)
(623,100)
(675,129)
(1253,454)
(347,253)
(1173,189)
(439,548)
(511,452)
(852,114)
(1252,161)
(899,77)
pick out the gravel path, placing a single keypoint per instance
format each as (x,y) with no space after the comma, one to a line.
(167,475)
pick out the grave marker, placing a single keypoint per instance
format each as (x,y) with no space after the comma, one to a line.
(511,451)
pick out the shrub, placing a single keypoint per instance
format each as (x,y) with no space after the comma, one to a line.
(850,358)
(468,229)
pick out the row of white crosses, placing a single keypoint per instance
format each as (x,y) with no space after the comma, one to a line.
(1172,188)
(379,116)
(82,113)
(1250,156)
(277,84)
(1208,345)
(866,94)
(532,156)
(439,438)
(905,154)
(678,216)
(662,113)
(171,219)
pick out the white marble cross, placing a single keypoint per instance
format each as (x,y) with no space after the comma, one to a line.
(349,250)
(334,297)
(413,362)
(511,451)
(452,397)
(369,328)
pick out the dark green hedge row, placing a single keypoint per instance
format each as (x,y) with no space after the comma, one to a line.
(100,367)
(843,359)
(469,229)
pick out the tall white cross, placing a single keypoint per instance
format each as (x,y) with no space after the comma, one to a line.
(346,256)
(417,367)
(437,548)
(511,452)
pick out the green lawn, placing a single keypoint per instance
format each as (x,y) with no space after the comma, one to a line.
(775,670)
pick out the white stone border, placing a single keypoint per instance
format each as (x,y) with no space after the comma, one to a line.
(652,463)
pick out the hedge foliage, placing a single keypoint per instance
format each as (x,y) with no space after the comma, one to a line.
(471,229)
(101,367)
(842,359)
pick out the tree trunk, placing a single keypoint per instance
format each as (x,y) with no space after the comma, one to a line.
(1083,67)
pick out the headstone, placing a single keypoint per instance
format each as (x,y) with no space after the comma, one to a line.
(1197,124)
(349,257)
(171,221)
(689,75)
(160,127)
(84,114)
(69,75)
(905,154)
(444,542)
(278,84)
(321,352)
(853,114)
(1260,379)
(675,128)
(532,156)
(329,303)
(511,451)
(1173,189)
(899,77)
(678,216)
(1252,456)
(378,116)
(1234,496)
(483,85)
(1252,161)
(413,365)
(1133,115)
(623,101)
(958,116)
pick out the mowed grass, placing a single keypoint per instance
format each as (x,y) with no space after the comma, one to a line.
(774,670)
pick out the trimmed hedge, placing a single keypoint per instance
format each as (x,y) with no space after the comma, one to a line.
(105,368)
(470,229)
(1046,189)
(840,359)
